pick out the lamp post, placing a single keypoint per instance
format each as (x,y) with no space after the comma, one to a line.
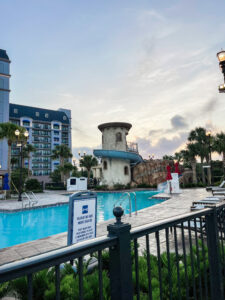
(221,59)
(21,141)
(208,134)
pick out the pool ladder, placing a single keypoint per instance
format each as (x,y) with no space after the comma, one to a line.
(31,198)
(129,197)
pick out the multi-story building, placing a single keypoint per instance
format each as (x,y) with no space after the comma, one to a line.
(47,128)
(4,109)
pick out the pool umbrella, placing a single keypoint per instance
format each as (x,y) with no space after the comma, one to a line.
(168,176)
(177,168)
(6,182)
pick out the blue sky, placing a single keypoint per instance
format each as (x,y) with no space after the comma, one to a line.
(150,63)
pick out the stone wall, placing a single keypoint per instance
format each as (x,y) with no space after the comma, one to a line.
(151,172)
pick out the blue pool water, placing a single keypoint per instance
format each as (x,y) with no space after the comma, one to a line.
(29,225)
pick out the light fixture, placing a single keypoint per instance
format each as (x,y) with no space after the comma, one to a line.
(26,134)
(17,132)
(221,56)
(209,132)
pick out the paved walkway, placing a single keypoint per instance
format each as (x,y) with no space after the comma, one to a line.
(177,204)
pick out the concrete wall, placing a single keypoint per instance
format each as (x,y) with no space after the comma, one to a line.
(115,172)
(109,141)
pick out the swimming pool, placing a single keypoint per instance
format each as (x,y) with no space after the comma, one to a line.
(24,226)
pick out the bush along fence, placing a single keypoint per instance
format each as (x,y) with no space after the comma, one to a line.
(178,258)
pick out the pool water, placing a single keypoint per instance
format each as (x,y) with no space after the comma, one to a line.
(29,225)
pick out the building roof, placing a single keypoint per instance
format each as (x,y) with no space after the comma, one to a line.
(30,112)
(114,124)
(3,54)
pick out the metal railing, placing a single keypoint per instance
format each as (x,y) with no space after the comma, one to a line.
(122,199)
(29,199)
(179,258)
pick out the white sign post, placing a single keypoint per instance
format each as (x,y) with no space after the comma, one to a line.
(82,217)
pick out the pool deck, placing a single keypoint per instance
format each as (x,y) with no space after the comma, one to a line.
(177,204)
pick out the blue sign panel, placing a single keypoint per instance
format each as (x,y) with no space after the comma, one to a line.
(82,217)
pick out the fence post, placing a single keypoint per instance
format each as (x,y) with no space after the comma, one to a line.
(120,262)
(214,256)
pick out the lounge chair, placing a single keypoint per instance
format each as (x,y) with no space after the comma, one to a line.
(219,187)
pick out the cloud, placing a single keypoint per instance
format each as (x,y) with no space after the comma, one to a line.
(178,122)
(162,147)
(211,105)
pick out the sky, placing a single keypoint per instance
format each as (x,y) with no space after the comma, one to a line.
(150,63)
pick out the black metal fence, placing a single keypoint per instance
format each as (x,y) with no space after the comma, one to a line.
(177,258)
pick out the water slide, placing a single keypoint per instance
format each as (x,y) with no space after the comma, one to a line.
(133,157)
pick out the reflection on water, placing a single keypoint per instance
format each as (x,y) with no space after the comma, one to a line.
(24,226)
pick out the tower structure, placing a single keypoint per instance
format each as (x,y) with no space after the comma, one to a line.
(4,105)
(116,154)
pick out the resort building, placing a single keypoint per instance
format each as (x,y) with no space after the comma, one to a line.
(4,108)
(118,156)
(47,128)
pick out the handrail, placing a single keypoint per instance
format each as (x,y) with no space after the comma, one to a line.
(39,262)
(130,205)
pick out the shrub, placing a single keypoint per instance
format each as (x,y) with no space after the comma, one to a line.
(118,186)
(33,185)
(103,187)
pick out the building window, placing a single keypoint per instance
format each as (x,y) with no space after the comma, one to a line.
(1,83)
(118,137)
(55,126)
(46,116)
(37,114)
(26,123)
(105,165)
(126,171)
(15,111)
(56,139)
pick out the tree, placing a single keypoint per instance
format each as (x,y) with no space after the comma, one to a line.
(27,149)
(168,157)
(87,162)
(219,146)
(55,176)
(61,152)
(14,161)
(191,154)
(199,138)
(66,169)
(7,131)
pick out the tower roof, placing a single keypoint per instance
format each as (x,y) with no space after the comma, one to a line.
(3,55)
(101,127)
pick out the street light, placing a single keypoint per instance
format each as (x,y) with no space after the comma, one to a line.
(208,134)
(21,141)
(221,59)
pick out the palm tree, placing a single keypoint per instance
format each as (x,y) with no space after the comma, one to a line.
(219,146)
(192,152)
(7,131)
(87,162)
(14,161)
(61,152)
(168,157)
(66,169)
(26,154)
(199,138)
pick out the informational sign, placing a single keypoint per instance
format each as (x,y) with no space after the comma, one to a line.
(82,217)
